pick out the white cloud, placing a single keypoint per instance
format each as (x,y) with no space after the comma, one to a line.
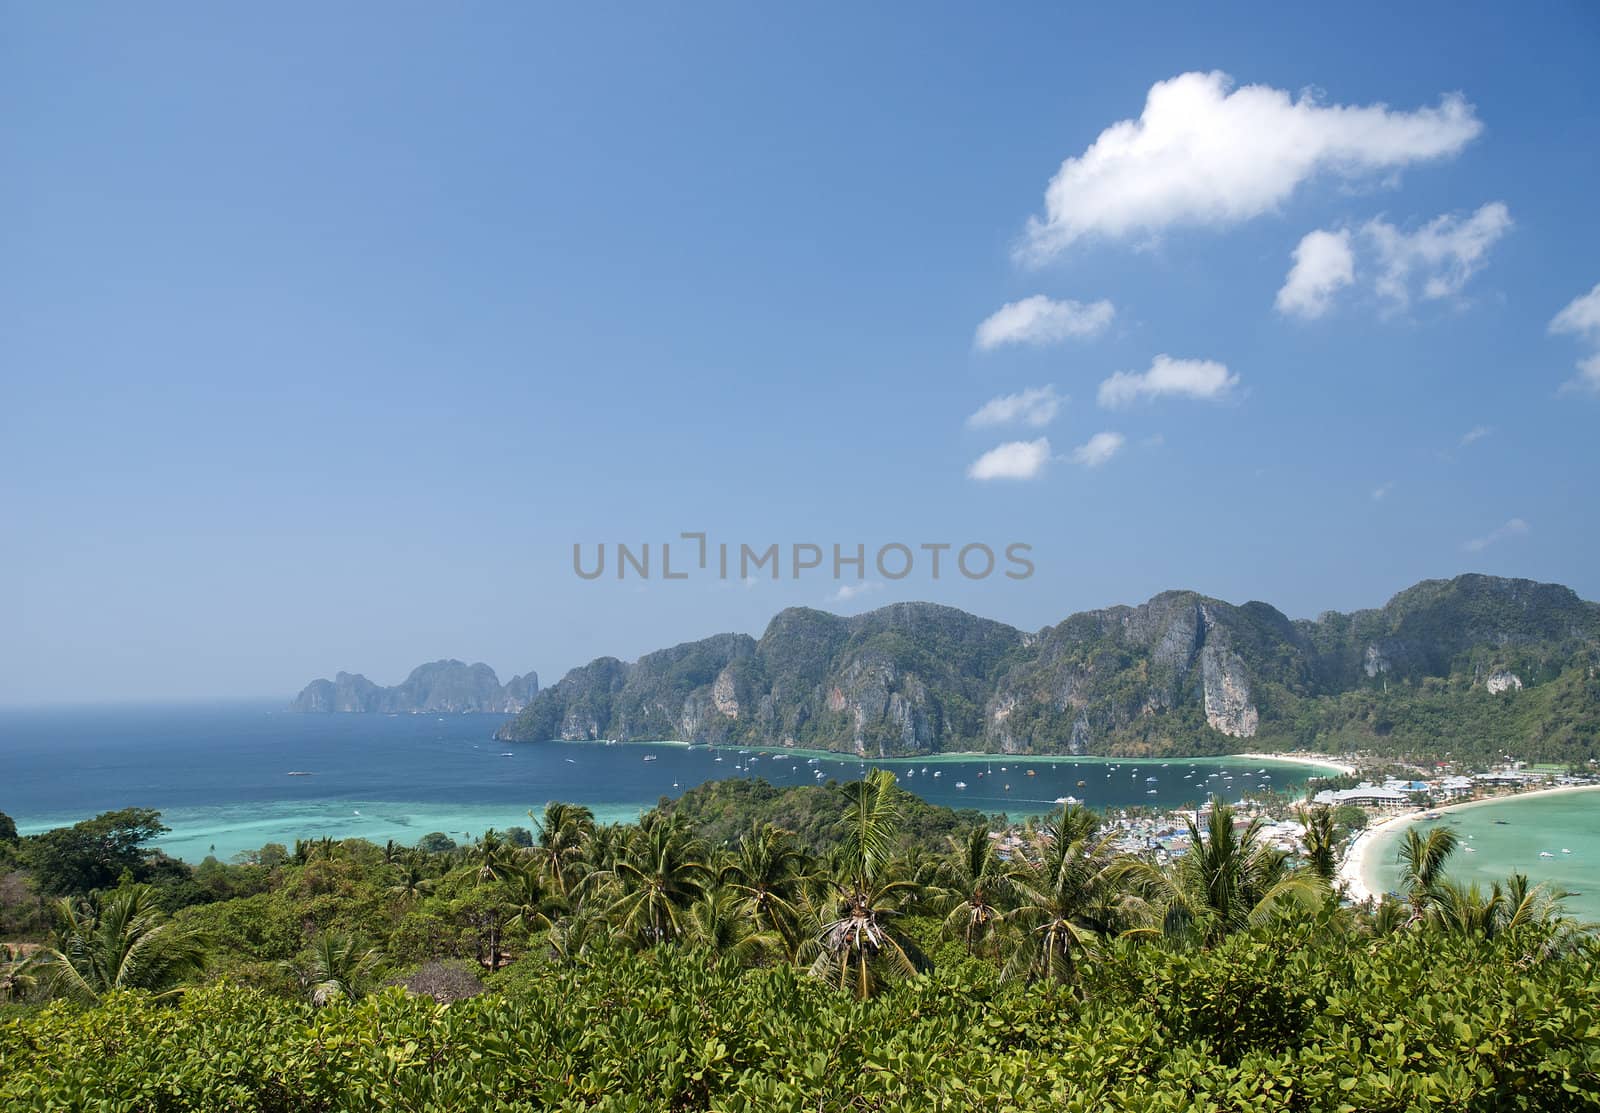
(1381,491)
(1204,153)
(1588,376)
(1037,407)
(1444,253)
(1474,435)
(1098,449)
(1581,318)
(1012,460)
(1186,378)
(848,592)
(1322,264)
(1515,527)
(1039,320)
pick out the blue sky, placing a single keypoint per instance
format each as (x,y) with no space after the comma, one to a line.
(329,333)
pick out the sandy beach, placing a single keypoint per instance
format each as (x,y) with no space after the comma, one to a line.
(1355,867)
(1317,760)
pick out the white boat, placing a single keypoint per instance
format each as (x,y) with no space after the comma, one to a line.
(650,757)
(1546,854)
(1066,800)
(938,772)
(961,784)
(1564,850)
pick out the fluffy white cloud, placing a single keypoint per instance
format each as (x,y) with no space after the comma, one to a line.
(1039,320)
(1185,378)
(1581,318)
(1012,460)
(1322,264)
(1474,435)
(1098,449)
(1444,253)
(1037,407)
(1205,153)
(1515,527)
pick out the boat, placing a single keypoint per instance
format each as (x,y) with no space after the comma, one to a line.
(961,784)
(297,773)
(1081,784)
(508,753)
(717,758)
(1564,850)
(1031,773)
(1150,780)
(1066,800)
(1470,849)
(1006,787)
(1150,792)
(649,757)
(1502,823)
(938,772)
(1546,854)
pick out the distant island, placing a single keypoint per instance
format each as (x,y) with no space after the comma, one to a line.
(1477,666)
(440,686)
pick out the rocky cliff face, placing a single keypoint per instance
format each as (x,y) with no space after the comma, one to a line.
(441,686)
(1180,673)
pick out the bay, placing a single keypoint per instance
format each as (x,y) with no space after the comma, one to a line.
(1497,837)
(221,774)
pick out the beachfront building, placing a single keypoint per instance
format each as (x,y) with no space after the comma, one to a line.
(1365,796)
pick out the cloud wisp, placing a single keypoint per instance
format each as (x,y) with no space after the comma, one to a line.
(1203,379)
(847,592)
(1038,321)
(1012,460)
(1443,254)
(1436,260)
(1203,153)
(1581,318)
(1514,527)
(1098,449)
(1381,491)
(1037,407)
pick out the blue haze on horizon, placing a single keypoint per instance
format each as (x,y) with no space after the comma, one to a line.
(327,332)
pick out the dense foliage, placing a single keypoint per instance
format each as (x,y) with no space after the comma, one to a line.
(896,957)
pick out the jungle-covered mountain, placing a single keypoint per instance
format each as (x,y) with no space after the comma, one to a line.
(1476,665)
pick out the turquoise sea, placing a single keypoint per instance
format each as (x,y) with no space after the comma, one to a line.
(1515,834)
(221,775)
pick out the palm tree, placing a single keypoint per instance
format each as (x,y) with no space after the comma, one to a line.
(660,873)
(765,876)
(17,965)
(972,886)
(339,969)
(1422,867)
(1229,880)
(125,943)
(532,901)
(1068,900)
(412,881)
(718,922)
(491,859)
(1319,837)
(562,833)
(856,945)
(393,852)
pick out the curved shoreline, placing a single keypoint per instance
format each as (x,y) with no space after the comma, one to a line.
(1358,867)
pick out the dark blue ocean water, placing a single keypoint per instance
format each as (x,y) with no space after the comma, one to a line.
(220,774)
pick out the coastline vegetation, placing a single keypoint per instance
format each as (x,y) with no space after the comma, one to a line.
(748,948)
